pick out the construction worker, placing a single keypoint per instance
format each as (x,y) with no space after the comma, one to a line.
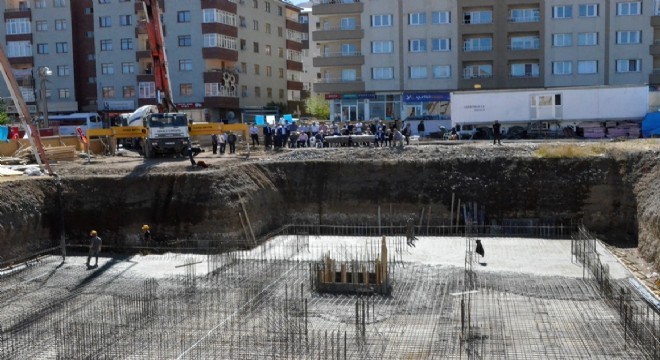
(146,235)
(94,247)
(480,249)
(410,232)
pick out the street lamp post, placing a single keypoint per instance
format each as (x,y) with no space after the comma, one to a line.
(44,72)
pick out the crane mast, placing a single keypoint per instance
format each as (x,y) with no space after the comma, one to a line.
(23,113)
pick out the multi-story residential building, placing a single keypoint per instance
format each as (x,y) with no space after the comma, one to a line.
(222,55)
(394,59)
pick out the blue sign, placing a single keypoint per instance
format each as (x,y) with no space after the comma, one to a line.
(259,119)
(288,119)
(425,97)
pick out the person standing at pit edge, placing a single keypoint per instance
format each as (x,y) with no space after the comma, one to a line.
(94,247)
(497,135)
(254,134)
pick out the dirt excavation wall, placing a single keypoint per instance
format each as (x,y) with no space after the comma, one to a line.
(609,195)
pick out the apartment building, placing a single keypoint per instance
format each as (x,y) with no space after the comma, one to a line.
(222,55)
(394,59)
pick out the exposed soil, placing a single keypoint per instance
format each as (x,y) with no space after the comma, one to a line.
(616,194)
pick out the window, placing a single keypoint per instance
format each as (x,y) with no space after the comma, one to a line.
(147,90)
(62,47)
(18,26)
(257,91)
(478,71)
(629,8)
(347,23)
(106,45)
(185,40)
(105,21)
(183,16)
(587,39)
(256,69)
(19,49)
(478,17)
(268,28)
(255,4)
(107,69)
(417,45)
(416,18)
(348,75)
(268,49)
(128,91)
(104,1)
(382,73)
(40,4)
(560,40)
(127,44)
(440,17)
(127,68)
(255,25)
(241,21)
(280,52)
(281,93)
(417,72)
(89,10)
(381,20)
(280,31)
(255,47)
(244,68)
(42,25)
(243,44)
(441,44)
(185,65)
(628,65)
(525,70)
(524,15)
(269,92)
(185,89)
(125,20)
(587,67)
(588,10)
(42,48)
(108,91)
(279,10)
(89,34)
(59,3)
(562,12)
(478,44)
(281,73)
(269,71)
(629,37)
(562,68)
(442,71)
(524,42)
(91,80)
(64,93)
(218,16)
(348,50)
(218,40)
(382,47)
(63,70)
(60,25)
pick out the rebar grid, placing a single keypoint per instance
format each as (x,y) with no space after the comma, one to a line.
(258,304)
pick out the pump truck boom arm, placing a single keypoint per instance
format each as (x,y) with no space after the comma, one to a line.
(157,45)
(23,113)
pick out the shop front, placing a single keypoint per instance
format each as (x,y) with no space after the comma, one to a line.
(364,106)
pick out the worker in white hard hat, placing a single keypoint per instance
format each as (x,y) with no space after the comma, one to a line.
(94,247)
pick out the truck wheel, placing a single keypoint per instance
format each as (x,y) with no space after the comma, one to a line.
(148,151)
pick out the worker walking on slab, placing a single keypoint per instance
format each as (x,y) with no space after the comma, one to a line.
(94,247)
(480,249)
(410,232)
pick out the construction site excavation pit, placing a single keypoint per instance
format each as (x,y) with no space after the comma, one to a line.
(293,257)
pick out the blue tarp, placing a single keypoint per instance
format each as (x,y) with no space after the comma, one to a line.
(651,125)
(4,133)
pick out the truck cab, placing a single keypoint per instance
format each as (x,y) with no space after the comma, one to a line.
(167,133)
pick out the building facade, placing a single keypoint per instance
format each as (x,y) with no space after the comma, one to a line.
(222,55)
(396,59)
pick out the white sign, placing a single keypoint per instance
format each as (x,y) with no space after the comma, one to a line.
(11,109)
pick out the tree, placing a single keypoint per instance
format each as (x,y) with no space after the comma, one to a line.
(318,107)
(4,118)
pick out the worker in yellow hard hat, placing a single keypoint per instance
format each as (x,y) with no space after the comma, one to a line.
(94,247)
(146,235)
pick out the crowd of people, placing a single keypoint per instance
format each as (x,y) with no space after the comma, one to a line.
(319,135)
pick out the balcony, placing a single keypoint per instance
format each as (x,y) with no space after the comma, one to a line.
(338,33)
(294,85)
(655,21)
(339,85)
(294,25)
(225,5)
(18,13)
(654,77)
(654,49)
(143,54)
(221,76)
(220,53)
(339,59)
(337,7)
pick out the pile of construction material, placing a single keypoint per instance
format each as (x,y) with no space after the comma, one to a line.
(610,129)
(53,154)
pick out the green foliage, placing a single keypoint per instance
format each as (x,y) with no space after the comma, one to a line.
(4,118)
(318,107)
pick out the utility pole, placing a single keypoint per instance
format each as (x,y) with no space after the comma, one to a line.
(44,72)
